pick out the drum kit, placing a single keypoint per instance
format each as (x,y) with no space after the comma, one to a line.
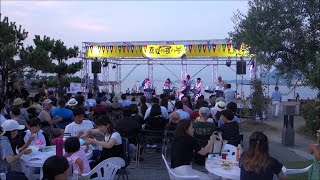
(213,90)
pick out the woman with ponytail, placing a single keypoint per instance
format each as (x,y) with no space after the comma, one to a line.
(256,163)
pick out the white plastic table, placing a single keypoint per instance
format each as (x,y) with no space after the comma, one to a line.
(30,161)
(212,166)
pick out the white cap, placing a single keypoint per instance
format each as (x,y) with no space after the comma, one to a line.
(47,101)
(10,125)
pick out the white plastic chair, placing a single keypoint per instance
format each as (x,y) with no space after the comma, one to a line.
(110,167)
(298,171)
(174,176)
(3,176)
(232,151)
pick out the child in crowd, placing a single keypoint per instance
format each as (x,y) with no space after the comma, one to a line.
(55,168)
(34,130)
(77,155)
(230,129)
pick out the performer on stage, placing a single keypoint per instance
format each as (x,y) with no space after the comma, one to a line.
(167,87)
(183,89)
(198,87)
(220,87)
(148,89)
(189,82)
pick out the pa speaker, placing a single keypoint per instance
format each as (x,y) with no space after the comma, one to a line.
(95,67)
(241,67)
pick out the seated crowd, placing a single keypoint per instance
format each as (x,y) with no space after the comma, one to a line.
(102,123)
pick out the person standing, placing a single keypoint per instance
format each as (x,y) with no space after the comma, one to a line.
(276,100)
(297,97)
(198,87)
(229,94)
(189,82)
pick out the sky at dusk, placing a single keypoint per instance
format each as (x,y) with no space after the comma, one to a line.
(102,21)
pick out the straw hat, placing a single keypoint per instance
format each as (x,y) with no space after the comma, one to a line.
(17,101)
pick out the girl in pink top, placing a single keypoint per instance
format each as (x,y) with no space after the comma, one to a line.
(77,155)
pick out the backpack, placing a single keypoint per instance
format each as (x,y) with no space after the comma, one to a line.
(126,151)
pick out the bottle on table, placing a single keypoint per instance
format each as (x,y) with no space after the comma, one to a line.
(239,149)
(59,146)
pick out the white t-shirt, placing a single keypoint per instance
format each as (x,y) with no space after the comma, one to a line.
(74,128)
(2,119)
(171,105)
(116,136)
(39,139)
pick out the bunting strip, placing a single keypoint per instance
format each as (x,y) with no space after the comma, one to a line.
(229,47)
(214,46)
(204,47)
(199,47)
(209,47)
(190,48)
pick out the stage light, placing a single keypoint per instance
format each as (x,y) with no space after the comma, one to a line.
(228,62)
(105,64)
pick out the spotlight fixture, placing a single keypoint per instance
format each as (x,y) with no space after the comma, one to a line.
(105,64)
(228,62)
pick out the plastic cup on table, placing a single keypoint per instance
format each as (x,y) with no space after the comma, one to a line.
(224,155)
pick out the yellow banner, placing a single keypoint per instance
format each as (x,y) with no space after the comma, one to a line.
(164,51)
(168,51)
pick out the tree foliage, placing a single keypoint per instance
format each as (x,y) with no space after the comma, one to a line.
(283,33)
(50,56)
(11,38)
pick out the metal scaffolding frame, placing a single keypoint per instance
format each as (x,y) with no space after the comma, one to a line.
(184,61)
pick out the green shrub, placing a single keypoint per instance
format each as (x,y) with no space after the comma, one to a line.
(312,116)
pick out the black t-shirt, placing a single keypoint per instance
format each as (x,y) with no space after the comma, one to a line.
(139,119)
(230,132)
(183,149)
(274,168)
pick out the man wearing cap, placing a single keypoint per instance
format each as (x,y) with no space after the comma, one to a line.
(61,111)
(7,157)
(47,122)
(23,112)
